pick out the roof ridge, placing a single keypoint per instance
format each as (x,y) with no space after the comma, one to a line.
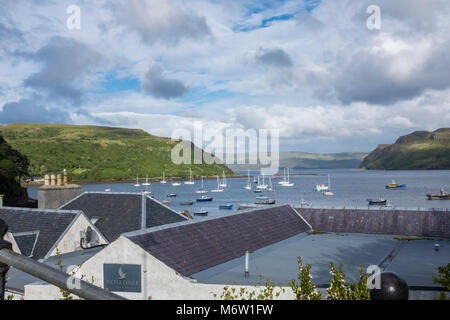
(75,212)
(197,220)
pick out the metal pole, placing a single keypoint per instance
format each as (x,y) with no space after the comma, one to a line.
(44,272)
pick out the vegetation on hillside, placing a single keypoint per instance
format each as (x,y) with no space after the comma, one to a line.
(13,166)
(99,153)
(418,150)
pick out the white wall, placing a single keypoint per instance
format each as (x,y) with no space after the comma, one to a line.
(70,242)
(10,238)
(158,280)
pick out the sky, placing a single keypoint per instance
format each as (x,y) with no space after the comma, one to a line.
(311,69)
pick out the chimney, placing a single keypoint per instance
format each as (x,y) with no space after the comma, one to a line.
(52,180)
(58,180)
(247,263)
(46,180)
(65,177)
(143,211)
(1,200)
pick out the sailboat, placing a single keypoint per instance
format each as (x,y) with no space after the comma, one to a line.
(176,184)
(191,178)
(218,186)
(146,183)
(305,204)
(263,185)
(163,179)
(224,181)
(327,192)
(287,183)
(321,188)
(137,181)
(248,186)
(284,177)
(201,190)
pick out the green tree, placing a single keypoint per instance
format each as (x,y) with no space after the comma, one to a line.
(443,279)
(13,166)
(304,289)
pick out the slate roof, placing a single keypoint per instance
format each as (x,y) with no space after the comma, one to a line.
(51,224)
(117,213)
(192,247)
(26,242)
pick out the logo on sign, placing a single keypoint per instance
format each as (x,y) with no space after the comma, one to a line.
(122,277)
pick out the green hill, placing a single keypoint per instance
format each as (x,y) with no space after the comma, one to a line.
(418,150)
(97,153)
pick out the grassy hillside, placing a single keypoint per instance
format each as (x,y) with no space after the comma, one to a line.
(418,150)
(98,153)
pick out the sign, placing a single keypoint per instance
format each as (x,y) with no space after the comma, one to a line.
(122,277)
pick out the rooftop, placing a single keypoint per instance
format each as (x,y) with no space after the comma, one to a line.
(37,230)
(117,213)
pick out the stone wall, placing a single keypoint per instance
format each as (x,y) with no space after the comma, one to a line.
(396,222)
(52,197)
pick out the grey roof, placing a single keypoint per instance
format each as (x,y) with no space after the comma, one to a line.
(17,280)
(26,242)
(195,246)
(51,224)
(117,213)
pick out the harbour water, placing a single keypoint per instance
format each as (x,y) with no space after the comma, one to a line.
(351,189)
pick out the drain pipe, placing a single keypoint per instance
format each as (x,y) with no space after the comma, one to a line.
(143,211)
(247,264)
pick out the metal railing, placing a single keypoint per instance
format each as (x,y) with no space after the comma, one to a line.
(8,258)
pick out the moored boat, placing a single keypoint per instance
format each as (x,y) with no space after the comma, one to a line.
(226,206)
(201,212)
(442,195)
(204,198)
(394,185)
(187,203)
(377,202)
(264,200)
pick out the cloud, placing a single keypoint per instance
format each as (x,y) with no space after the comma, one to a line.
(274,57)
(65,64)
(30,111)
(161,21)
(155,83)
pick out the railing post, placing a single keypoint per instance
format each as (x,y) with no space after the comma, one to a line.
(3,267)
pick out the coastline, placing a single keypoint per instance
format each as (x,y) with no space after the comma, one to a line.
(157,179)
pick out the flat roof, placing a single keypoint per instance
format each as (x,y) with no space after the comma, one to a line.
(414,261)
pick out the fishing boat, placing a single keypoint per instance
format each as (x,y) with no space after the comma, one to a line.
(163,179)
(286,183)
(218,186)
(224,181)
(377,202)
(442,195)
(226,206)
(191,178)
(204,198)
(187,203)
(327,191)
(305,204)
(146,183)
(201,190)
(201,212)
(394,185)
(137,181)
(264,200)
(171,195)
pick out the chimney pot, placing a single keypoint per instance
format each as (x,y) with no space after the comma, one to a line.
(65,177)
(58,180)
(52,180)
(1,200)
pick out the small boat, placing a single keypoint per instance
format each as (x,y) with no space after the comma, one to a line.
(204,198)
(244,206)
(321,187)
(191,178)
(137,181)
(201,190)
(146,183)
(226,206)
(201,212)
(107,190)
(442,195)
(224,180)
(286,183)
(249,185)
(163,179)
(218,186)
(264,200)
(394,185)
(327,191)
(263,185)
(284,177)
(305,204)
(187,203)
(257,190)
(176,184)
(171,195)
(377,202)
(165,201)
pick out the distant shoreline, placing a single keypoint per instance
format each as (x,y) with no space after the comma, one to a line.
(157,179)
